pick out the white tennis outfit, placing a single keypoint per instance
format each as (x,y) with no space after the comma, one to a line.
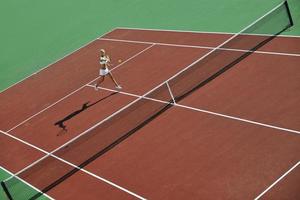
(103,72)
(103,61)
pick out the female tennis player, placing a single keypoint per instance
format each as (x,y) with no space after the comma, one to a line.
(104,64)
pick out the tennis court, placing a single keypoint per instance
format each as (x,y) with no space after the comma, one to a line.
(202,115)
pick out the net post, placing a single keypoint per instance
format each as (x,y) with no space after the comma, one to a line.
(6,191)
(289,12)
(170,91)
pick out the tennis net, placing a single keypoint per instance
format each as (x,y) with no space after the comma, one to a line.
(68,159)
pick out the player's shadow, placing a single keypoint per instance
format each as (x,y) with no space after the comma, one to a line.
(85,106)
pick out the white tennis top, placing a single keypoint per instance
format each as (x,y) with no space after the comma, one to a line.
(104,60)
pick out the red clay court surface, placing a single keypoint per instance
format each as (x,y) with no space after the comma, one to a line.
(237,137)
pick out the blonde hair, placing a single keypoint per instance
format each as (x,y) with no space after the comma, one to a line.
(102,51)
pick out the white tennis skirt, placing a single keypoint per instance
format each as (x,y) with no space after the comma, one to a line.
(103,72)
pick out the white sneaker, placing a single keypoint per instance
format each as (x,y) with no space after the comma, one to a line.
(119,87)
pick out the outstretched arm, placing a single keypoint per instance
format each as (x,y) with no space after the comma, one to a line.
(108,61)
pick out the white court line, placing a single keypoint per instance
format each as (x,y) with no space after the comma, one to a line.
(26,183)
(66,162)
(279,179)
(205,32)
(204,111)
(49,65)
(200,47)
(241,119)
(128,94)
(119,65)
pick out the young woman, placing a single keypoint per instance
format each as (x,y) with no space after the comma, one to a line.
(104,71)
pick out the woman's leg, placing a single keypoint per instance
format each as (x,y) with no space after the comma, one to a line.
(114,80)
(100,80)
